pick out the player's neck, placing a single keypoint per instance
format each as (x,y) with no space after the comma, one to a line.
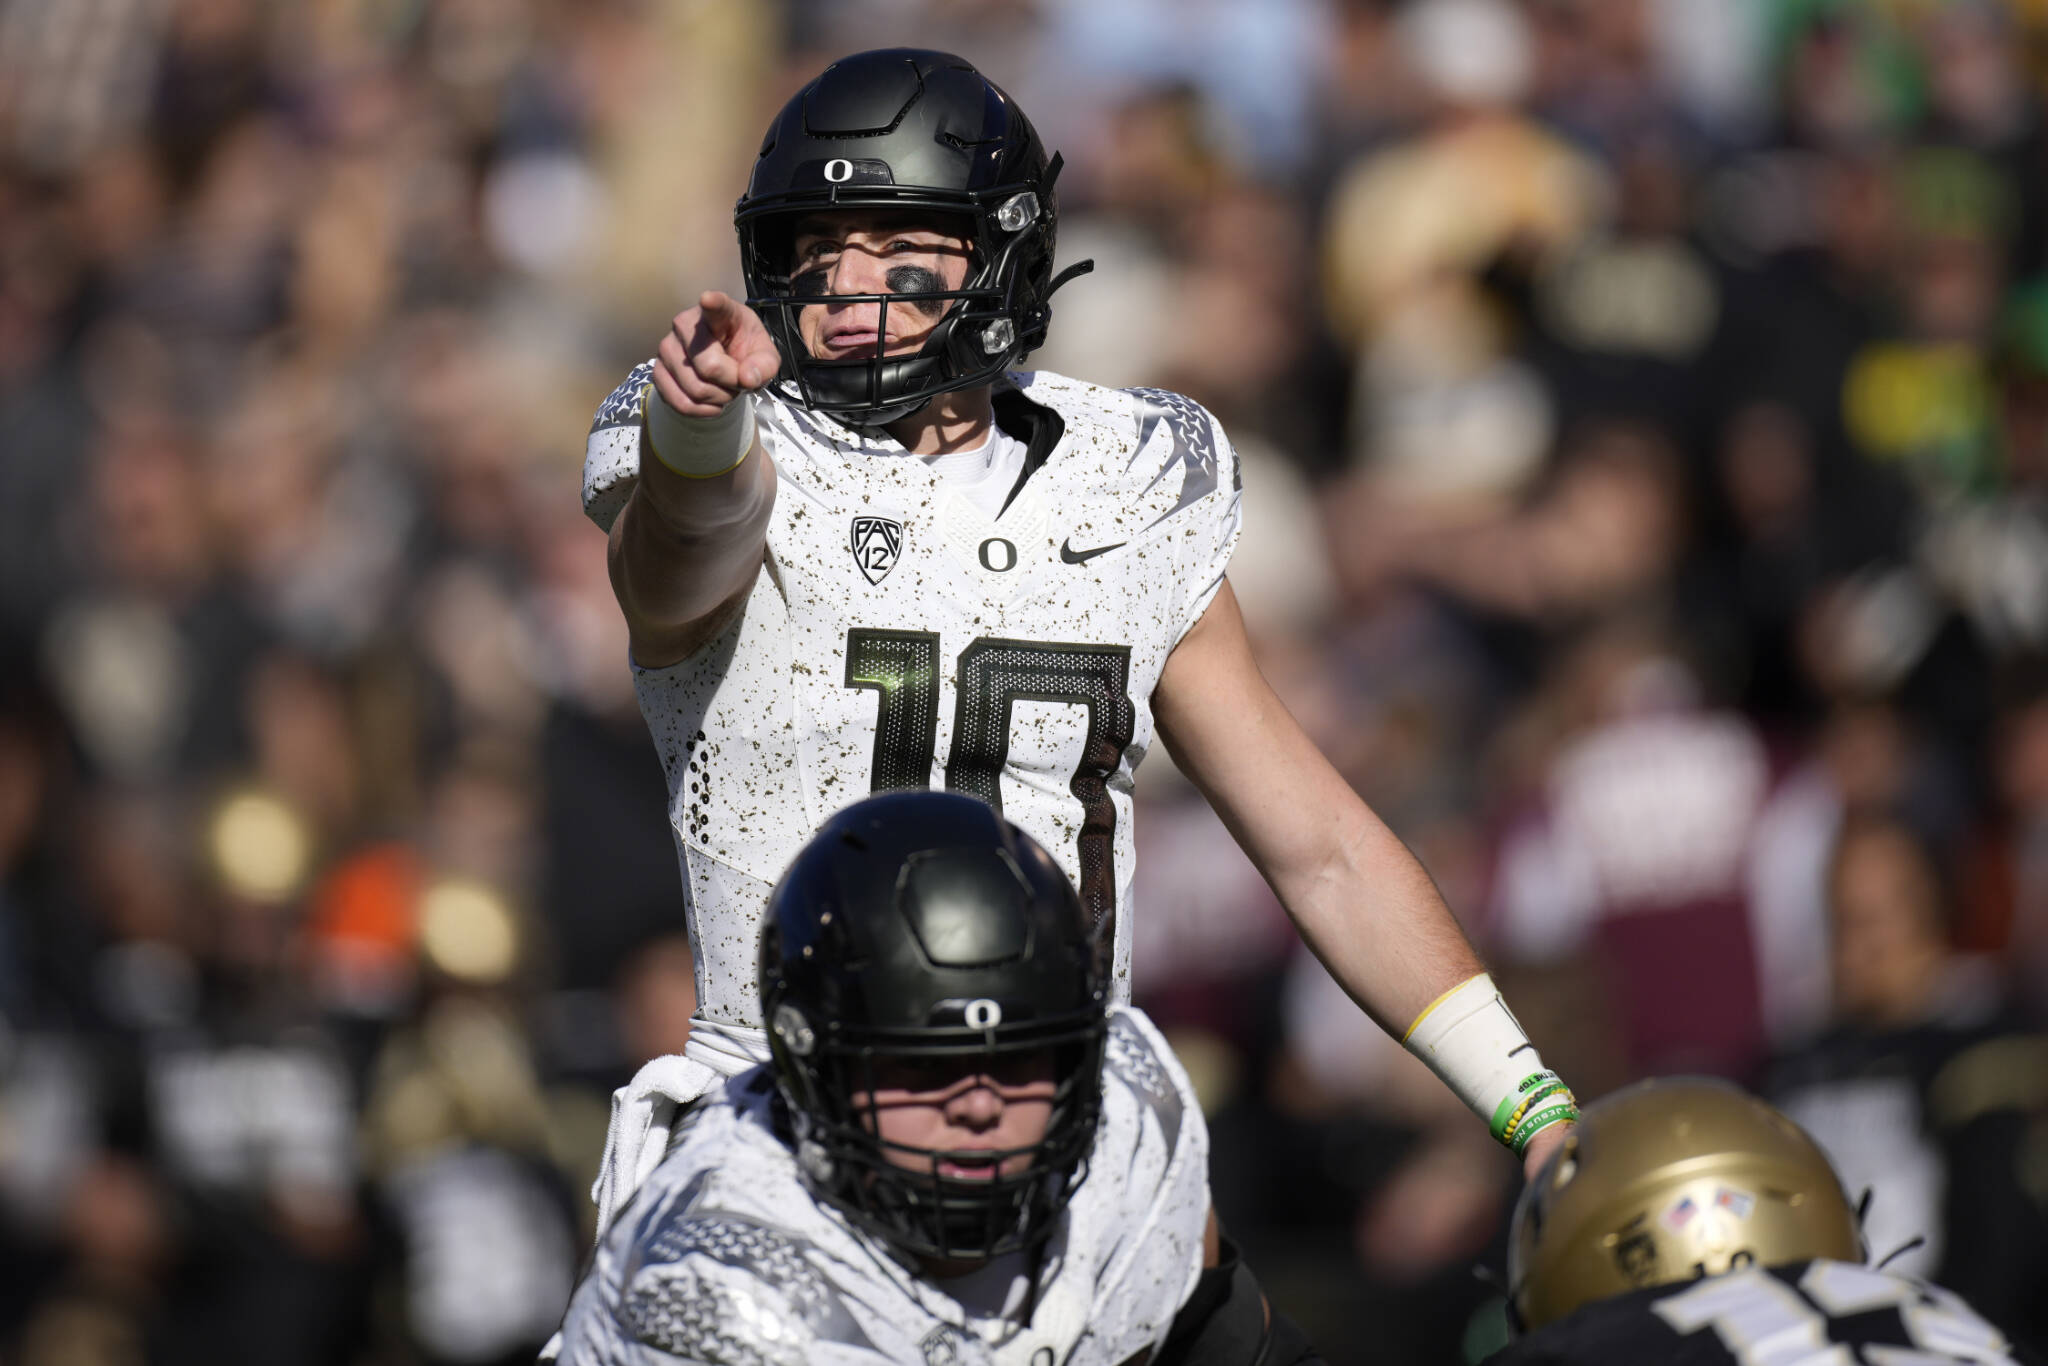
(958,421)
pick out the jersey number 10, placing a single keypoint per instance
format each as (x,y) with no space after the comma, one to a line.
(994,674)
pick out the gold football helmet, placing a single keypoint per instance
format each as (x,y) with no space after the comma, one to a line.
(1669,1180)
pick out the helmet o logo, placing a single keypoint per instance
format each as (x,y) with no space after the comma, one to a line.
(990,554)
(983,1014)
(838,170)
(794,1030)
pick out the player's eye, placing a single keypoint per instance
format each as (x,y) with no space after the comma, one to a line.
(917,1073)
(1021,1069)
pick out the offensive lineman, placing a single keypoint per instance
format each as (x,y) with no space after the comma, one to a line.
(957,1154)
(857,553)
(1687,1223)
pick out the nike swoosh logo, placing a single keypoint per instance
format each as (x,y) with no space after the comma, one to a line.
(1073,556)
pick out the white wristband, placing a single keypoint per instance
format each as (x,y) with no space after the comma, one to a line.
(698,447)
(1471,1040)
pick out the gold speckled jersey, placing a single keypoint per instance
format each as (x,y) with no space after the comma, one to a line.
(898,637)
(724,1258)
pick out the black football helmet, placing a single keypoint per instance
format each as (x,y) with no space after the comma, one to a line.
(904,128)
(922,926)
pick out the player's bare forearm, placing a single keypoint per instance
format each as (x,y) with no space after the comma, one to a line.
(684,551)
(1360,899)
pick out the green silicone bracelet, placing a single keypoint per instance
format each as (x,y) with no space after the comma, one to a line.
(1533,1088)
(1542,1119)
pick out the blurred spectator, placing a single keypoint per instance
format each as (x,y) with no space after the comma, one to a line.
(1448,416)
(462,1148)
(1867,760)
(1925,1091)
(1644,410)
(2009,906)
(1634,854)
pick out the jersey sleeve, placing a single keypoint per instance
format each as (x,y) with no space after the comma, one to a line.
(1206,515)
(1149,1176)
(710,1287)
(696,1305)
(1221,514)
(611,455)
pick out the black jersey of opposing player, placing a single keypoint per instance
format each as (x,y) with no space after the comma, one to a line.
(1817,1313)
(1939,1120)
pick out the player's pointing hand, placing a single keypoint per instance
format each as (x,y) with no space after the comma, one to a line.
(712,354)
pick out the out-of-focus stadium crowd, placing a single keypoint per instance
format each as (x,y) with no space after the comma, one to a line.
(1644,406)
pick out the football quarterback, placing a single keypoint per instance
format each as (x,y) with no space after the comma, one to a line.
(858,551)
(1686,1222)
(959,1153)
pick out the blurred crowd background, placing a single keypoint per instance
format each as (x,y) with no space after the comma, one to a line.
(1645,412)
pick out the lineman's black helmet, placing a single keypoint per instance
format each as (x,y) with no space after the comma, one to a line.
(904,128)
(922,925)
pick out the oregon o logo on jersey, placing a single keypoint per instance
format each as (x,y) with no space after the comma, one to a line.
(876,543)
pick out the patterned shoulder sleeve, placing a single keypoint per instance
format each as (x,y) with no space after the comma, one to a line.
(1146,1195)
(1139,1061)
(611,455)
(720,1288)
(1186,443)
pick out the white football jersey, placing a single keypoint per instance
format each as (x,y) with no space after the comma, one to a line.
(899,637)
(724,1258)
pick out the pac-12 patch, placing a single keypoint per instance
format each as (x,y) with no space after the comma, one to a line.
(877,541)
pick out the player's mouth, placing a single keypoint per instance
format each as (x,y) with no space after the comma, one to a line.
(851,343)
(965,1165)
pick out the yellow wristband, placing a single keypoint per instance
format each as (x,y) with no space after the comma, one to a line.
(1445,996)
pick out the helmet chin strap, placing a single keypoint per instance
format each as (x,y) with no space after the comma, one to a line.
(869,423)
(820,377)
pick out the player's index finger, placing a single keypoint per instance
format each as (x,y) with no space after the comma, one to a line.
(725,314)
(759,360)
